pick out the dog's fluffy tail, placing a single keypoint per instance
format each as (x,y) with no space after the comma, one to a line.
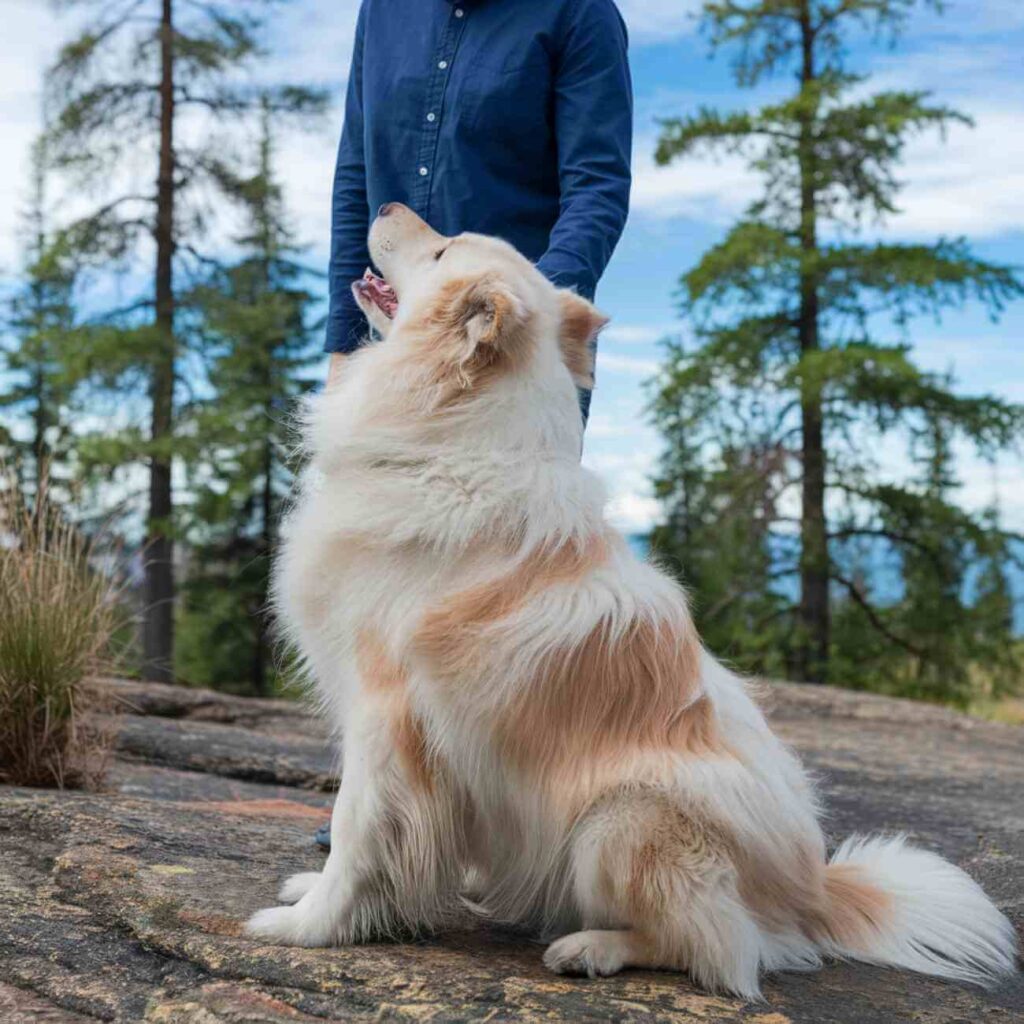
(892,904)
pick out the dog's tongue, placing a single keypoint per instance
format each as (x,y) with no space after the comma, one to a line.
(379,291)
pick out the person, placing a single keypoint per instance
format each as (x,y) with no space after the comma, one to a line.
(504,117)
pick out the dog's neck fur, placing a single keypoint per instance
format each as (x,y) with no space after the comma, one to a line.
(503,463)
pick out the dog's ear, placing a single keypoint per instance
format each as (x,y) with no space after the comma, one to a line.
(491,313)
(581,322)
(487,326)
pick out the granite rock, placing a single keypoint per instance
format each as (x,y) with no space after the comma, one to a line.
(127,905)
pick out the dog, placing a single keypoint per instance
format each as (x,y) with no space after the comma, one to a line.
(529,723)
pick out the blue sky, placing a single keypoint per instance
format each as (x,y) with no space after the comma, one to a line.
(972,185)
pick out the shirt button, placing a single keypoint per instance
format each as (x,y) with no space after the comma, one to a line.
(431,117)
(423,172)
(459,12)
(442,64)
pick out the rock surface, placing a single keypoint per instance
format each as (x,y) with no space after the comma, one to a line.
(127,905)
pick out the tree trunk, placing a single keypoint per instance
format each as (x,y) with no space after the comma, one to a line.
(814,613)
(262,646)
(39,423)
(40,415)
(158,638)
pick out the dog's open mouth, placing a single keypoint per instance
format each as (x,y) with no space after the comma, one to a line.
(379,292)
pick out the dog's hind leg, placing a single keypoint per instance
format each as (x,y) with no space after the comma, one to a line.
(655,887)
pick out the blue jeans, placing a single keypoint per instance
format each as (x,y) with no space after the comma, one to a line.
(585,396)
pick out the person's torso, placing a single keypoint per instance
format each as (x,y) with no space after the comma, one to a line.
(458,99)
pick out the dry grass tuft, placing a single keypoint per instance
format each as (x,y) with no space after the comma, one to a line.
(1008,710)
(57,614)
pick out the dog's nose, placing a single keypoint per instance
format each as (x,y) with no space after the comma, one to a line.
(385,209)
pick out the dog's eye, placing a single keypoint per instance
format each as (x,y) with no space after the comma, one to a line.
(440,253)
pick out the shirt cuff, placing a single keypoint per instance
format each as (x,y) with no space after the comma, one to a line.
(566,277)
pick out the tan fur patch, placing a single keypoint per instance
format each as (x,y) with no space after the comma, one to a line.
(645,888)
(791,887)
(786,886)
(602,699)
(679,849)
(381,675)
(858,909)
(599,698)
(449,635)
(653,854)
(473,333)
(411,744)
(783,886)
(581,323)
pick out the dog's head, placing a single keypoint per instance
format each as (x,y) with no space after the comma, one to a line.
(471,309)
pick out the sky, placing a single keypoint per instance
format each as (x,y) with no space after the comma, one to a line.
(971,183)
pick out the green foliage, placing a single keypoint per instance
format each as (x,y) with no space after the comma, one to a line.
(34,354)
(255,317)
(800,372)
(718,541)
(104,93)
(949,637)
(148,92)
(768,33)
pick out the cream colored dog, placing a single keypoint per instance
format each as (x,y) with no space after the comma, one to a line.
(524,706)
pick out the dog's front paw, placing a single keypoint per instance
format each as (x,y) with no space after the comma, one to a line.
(295,887)
(289,926)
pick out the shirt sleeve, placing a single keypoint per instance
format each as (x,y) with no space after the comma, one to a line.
(594,134)
(350,215)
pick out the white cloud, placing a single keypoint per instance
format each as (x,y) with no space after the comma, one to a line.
(610,362)
(628,427)
(27,48)
(970,183)
(983,483)
(704,189)
(312,43)
(659,20)
(638,334)
(986,484)
(632,507)
(634,513)
(982,363)
(975,18)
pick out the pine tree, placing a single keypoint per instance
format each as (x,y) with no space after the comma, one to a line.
(123,93)
(41,318)
(790,306)
(259,337)
(721,511)
(1000,661)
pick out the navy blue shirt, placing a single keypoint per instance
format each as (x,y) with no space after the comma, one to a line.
(505,117)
